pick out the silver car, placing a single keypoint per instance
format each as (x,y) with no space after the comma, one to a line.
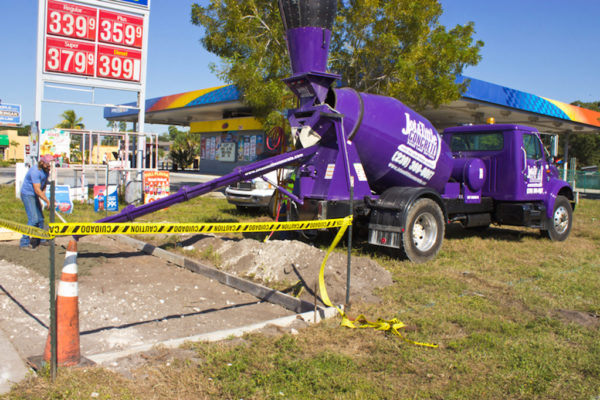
(255,193)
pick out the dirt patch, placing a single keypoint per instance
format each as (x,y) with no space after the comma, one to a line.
(90,255)
(291,262)
(586,319)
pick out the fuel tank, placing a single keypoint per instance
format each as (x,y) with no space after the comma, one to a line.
(397,146)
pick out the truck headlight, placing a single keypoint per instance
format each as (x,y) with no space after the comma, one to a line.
(262,185)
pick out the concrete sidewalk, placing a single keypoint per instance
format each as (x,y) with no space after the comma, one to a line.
(12,368)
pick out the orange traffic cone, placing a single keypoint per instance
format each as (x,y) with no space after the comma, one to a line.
(67,313)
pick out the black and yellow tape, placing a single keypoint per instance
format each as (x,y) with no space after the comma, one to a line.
(392,325)
(82,229)
(91,228)
(25,229)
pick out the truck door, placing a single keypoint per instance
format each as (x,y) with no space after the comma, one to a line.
(533,167)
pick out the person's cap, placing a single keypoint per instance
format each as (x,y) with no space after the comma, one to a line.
(47,159)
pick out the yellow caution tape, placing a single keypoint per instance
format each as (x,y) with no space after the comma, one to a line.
(393,325)
(25,229)
(59,229)
(94,228)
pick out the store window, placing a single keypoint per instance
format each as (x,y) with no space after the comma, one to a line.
(232,147)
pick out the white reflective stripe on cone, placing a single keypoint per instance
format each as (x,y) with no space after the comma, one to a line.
(67,289)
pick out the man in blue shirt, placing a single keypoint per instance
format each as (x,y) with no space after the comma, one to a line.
(33,189)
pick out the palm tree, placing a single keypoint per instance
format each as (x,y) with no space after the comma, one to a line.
(70,121)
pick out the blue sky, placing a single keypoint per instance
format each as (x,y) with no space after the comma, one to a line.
(545,47)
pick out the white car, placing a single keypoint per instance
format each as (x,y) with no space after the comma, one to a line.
(255,193)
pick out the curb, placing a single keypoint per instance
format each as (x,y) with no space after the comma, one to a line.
(308,317)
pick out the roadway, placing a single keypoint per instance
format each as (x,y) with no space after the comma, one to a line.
(7,175)
(177,179)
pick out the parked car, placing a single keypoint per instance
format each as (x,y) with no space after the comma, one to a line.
(255,193)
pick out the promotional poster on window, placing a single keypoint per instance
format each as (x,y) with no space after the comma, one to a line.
(231,148)
(104,201)
(156,185)
(56,143)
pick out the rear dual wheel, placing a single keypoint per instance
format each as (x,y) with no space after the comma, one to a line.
(424,231)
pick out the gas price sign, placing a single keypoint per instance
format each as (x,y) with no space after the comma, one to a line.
(93,42)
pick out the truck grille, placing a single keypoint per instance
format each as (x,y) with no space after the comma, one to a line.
(243,186)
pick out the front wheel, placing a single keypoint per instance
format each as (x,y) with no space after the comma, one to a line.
(424,233)
(274,208)
(559,226)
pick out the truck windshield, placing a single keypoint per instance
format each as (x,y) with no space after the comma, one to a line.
(484,141)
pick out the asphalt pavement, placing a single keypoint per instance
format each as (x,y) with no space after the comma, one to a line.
(178,179)
(7,175)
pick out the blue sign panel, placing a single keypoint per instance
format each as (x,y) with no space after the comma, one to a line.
(10,114)
(138,2)
(63,201)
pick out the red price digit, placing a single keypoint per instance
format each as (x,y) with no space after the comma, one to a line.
(71,20)
(130,35)
(128,69)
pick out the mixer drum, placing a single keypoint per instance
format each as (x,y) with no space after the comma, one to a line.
(397,146)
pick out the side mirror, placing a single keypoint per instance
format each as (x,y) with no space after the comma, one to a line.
(554,146)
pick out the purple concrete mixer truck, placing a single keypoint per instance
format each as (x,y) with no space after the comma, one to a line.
(375,158)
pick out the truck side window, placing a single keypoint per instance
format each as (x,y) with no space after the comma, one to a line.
(532,146)
(459,143)
(477,141)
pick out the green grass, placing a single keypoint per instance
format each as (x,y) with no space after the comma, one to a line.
(500,304)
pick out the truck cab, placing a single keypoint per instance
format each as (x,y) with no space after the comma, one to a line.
(521,185)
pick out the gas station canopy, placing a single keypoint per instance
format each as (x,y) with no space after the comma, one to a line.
(481,101)
(184,108)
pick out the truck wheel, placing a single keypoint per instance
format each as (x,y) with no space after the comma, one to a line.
(559,226)
(272,207)
(424,232)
